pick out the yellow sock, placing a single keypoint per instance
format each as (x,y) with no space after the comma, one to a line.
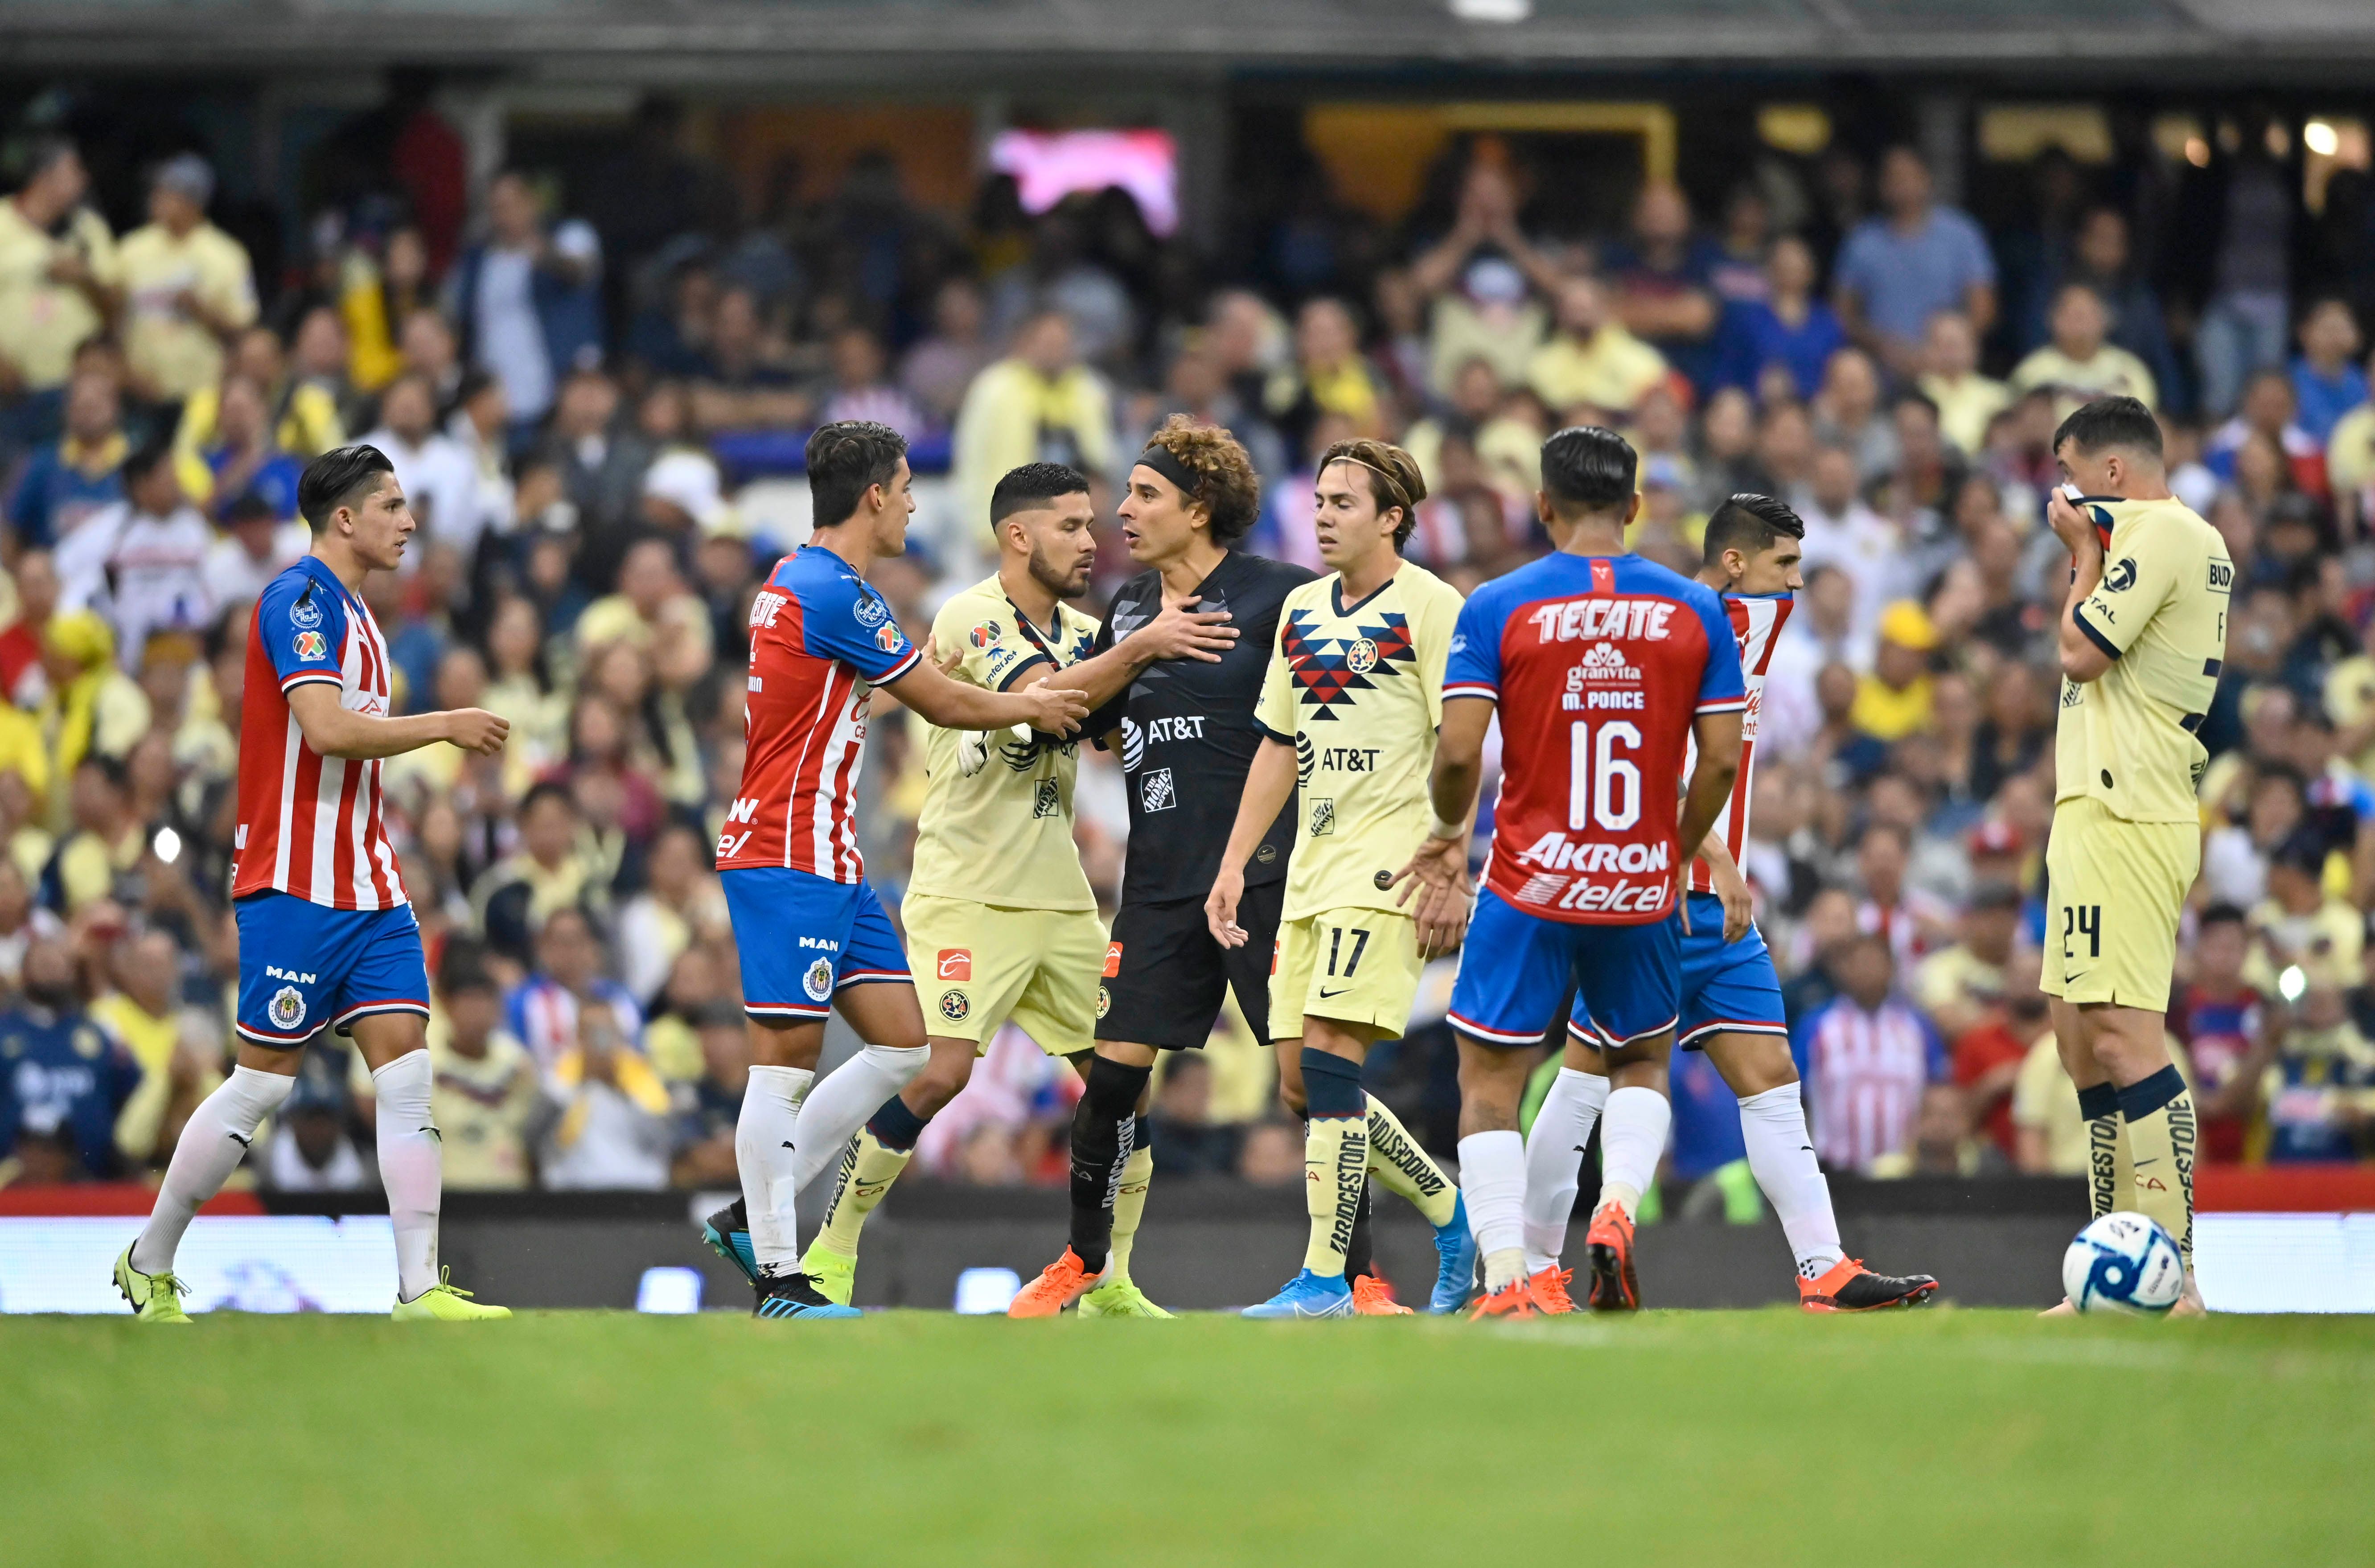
(1397,1160)
(1335,1162)
(2110,1171)
(1130,1206)
(867,1172)
(2161,1131)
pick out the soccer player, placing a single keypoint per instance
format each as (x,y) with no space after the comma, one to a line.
(2142,635)
(1604,668)
(1730,996)
(1186,737)
(1000,919)
(326,933)
(1348,713)
(811,933)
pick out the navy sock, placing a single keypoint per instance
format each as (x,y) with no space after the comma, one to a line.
(1104,1125)
(1331,1086)
(2097,1102)
(897,1127)
(2140,1099)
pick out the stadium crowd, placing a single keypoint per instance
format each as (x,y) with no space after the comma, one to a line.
(595,404)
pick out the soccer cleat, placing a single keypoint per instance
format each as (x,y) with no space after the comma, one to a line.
(1373,1296)
(727,1231)
(1849,1286)
(796,1295)
(155,1298)
(1455,1245)
(1512,1300)
(1549,1291)
(442,1304)
(1118,1298)
(835,1276)
(1609,1245)
(1309,1295)
(1060,1284)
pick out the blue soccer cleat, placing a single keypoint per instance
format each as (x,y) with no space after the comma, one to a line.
(728,1235)
(796,1295)
(1309,1295)
(1455,1243)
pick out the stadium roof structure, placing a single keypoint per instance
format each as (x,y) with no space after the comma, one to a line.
(808,41)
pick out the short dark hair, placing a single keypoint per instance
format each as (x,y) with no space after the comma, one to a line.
(2111,421)
(1749,523)
(335,478)
(845,459)
(544,790)
(2221,915)
(148,458)
(1026,488)
(1588,467)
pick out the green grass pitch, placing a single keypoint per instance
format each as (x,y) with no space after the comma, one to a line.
(1724,1439)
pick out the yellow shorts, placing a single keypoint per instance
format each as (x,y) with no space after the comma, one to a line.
(1349,965)
(977,965)
(2113,892)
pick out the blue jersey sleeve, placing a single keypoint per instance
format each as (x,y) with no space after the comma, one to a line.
(1474,666)
(1722,689)
(843,618)
(303,625)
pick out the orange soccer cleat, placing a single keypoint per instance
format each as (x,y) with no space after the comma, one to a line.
(1609,1245)
(1512,1300)
(1849,1286)
(1549,1291)
(1374,1297)
(1060,1284)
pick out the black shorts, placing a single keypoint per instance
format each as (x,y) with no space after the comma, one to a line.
(1164,974)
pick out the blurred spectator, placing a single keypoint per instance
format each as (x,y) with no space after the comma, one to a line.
(2327,382)
(243,458)
(24,681)
(257,545)
(60,1078)
(2300,923)
(142,561)
(2245,317)
(440,482)
(91,708)
(1592,360)
(607,1112)
(1896,271)
(1328,379)
(377,299)
(60,276)
(2223,1023)
(1868,1055)
(1847,413)
(1844,533)
(1785,332)
(2320,1090)
(1943,1144)
(705,1158)
(1893,700)
(1186,1140)
(543,1011)
(680,901)
(486,1090)
(188,284)
(1958,986)
(861,387)
(2079,365)
(299,416)
(1038,405)
(1663,277)
(1480,276)
(941,365)
(527,299)
(1271,1154)
(1908,919)
(1990,1056)
(312,1147)
(104,845)
(2102,259)
(80,474)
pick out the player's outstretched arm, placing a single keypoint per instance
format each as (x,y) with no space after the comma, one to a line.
(333,730)
(1179,632)
(1442,860)
(1268,783)
(954,704)
(1711,777)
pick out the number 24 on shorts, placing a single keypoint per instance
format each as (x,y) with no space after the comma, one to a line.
(2084,921)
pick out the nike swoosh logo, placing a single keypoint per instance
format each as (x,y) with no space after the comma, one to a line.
(1328,995)
(2141,1164)
(2074,979)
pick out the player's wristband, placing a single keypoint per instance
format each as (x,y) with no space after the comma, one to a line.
(1439,829)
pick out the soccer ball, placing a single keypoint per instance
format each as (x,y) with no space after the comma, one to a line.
(2123,1262)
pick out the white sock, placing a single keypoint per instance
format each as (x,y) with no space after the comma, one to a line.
(1492,1175)
(844,1098)
(1555,1161)
(213,1143)
(411,1167)
(1781,1158)
(1632,1135)
(764,1139)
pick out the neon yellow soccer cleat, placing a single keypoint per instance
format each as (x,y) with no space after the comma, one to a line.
(442,1304)
(155,1298)
(835,1276)
(1118,1298)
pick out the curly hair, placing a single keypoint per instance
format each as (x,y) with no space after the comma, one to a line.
(1226,487)
(1394,478)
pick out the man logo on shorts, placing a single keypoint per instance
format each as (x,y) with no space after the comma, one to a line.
(819,980)
(288,1008)
(953,1006)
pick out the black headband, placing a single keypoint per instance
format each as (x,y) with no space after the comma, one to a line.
(1165,463)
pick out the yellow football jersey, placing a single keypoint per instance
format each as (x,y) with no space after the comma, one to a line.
(1003,836)
(1358,691)
(2129,739)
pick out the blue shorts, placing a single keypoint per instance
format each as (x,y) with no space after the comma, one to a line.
(1727,987)
(802,938)
(302,965)
(1515,968)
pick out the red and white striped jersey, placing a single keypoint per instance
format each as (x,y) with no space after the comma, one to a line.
(1865,1072)
(1757,622)
(309,825)
(821,639)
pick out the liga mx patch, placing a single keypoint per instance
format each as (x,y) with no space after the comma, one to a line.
(817,982)
(887,637)
(985,634)
(312,645)
(956,963)
(288,1008)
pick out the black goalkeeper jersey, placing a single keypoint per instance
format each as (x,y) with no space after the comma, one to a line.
(1188,735)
